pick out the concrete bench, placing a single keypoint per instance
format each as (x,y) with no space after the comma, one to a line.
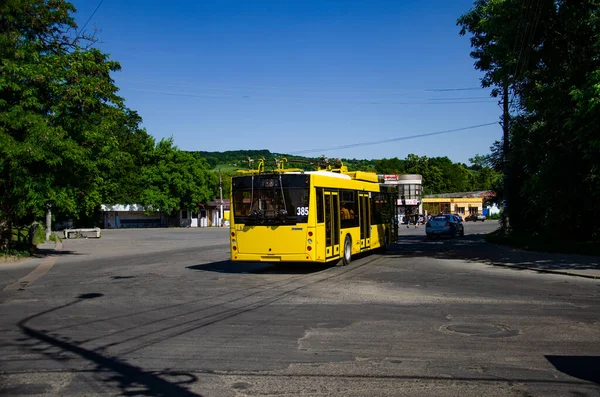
(93,232)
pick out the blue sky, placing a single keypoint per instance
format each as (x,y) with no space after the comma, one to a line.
(294,75)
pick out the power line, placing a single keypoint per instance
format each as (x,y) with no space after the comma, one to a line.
(527,43)
(302,89)
(91,16)
(453,89)
(424,101)
(459,98)
(402,138)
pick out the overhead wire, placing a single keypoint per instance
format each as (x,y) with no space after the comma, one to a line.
(423,101)
(402,138)
(526,45)
(302,89)
(518,35)
(91,16)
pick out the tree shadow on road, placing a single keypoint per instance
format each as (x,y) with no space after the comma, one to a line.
(229,266)
(474,248)
(44,252)
(130,379)
(582,367)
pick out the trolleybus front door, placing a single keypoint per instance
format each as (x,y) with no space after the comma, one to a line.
(365,220)
(332,225)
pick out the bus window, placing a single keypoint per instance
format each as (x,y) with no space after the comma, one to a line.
(319,198)
(348,209)
(380,204)
(242,202)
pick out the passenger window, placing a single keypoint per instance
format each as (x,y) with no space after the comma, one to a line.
(319,198)
(348,209)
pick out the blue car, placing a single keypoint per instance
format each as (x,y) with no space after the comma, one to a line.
(444,225)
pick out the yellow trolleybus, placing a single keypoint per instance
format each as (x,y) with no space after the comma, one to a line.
(292,215)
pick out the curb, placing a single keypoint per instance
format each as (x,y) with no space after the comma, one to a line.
(37,273)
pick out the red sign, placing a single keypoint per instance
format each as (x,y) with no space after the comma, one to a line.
(390,177)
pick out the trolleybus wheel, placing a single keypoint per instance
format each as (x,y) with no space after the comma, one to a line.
(347,250)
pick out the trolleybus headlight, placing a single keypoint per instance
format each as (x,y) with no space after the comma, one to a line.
(233,241)
(310,241)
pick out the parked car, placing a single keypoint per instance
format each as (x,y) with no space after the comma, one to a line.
(475,218)
(444,225)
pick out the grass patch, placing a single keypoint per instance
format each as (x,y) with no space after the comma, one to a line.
(54,237)
(14,254)
(554,245)
(229,168)
(39,235)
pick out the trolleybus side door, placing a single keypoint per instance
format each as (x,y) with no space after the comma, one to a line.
(332,224)
(365,220)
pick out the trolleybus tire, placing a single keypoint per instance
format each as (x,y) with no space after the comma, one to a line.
(347,256)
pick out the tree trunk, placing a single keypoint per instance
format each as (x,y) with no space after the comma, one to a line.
(506,151)
(5,234)
(48,223)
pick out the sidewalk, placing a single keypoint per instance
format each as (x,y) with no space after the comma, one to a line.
(13,271)
(475,248)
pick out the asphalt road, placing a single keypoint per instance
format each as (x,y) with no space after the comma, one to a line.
(164,313)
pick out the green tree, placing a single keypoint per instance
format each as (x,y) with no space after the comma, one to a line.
(175,179)
(390,166)
(121,170)
(478,162)
(58,113)
(432,176)
(549,55)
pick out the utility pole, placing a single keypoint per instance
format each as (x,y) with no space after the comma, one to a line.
(48,221)
(506,151)
(221,196)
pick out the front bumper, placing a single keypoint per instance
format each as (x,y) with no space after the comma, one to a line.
(446,231)
(273,258)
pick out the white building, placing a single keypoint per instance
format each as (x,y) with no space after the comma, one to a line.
(121,216)
(409,193)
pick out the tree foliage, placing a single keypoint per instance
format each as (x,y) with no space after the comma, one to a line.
(174,179)
(440,174)
(58,112)
(68,141)
(548,52)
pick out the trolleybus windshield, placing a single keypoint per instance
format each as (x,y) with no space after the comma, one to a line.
(271,199)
